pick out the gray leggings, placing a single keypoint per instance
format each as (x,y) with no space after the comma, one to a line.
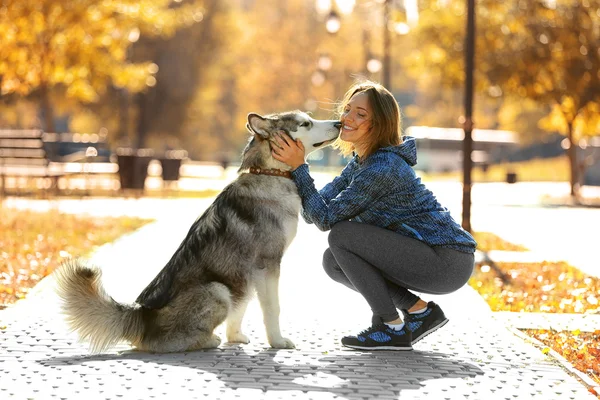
(383,266)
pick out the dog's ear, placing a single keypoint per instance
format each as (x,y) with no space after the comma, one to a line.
(258,124)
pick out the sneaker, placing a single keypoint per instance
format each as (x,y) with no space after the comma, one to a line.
(380,337)
(424,323)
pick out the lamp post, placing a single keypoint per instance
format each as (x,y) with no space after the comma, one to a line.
(386,78)
(333,22)
(333,25)
(132,37)
(468,118)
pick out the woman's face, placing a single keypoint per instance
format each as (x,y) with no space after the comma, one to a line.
(356,119)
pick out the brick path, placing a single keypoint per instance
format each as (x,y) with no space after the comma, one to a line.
(474,357)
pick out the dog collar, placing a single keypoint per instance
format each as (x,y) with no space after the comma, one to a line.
(273,172)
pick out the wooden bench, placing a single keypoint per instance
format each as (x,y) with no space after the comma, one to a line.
(23,157)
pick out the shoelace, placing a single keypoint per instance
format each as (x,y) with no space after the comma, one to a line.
(371,329)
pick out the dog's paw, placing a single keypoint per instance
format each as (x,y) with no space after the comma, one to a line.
(238,337)
(213,342)
(282,343)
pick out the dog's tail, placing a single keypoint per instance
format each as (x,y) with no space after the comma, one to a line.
(91,312)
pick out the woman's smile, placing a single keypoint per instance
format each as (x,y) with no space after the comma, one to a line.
(356,121)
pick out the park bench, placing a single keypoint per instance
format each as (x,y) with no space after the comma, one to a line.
(36,160)
(24,159)
(28,158)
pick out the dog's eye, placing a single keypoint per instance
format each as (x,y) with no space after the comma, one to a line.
(305,124)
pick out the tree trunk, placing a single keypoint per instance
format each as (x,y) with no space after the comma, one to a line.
(123,134)
(572,153)
(47,109)
(142,123)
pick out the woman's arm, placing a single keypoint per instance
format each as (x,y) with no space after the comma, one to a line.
(343,199)
(292,153)
(339,183)
(368,185)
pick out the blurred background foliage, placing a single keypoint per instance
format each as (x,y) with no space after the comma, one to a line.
(185,73)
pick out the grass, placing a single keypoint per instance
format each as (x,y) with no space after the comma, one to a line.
(33,244)
(553,287)
(537,170)
(582,349)
(487,241)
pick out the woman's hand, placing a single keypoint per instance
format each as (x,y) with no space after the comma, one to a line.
(288,151)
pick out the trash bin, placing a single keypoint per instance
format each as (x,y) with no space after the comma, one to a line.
(511,177)
(170,163)
(133,167)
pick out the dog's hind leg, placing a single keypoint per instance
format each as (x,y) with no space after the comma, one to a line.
(179,343)
(234,323)
(189,321)
(267,289)
(207,340)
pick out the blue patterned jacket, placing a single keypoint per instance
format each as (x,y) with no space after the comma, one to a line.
(383,191)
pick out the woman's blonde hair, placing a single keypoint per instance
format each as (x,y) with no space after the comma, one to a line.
(385,118)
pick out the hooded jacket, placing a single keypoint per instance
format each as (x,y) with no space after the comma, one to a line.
(383,190)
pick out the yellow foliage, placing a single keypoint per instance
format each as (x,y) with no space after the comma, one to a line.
(585,123)
(487,241)
(81,44)
(581,349)
(33,244)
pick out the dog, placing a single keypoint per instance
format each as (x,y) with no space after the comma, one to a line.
(233,249)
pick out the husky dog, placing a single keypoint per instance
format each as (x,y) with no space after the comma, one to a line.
(232,249)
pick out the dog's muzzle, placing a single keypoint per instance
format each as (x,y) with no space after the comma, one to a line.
(324,142)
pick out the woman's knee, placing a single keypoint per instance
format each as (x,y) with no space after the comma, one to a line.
(330,265)
(458,270)
(341,232)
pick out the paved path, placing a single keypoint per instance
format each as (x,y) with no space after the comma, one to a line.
(473,357)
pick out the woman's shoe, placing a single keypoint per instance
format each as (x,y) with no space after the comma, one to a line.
(422,324)
(380,337)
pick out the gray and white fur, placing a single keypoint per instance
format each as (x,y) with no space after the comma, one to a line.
(233,249)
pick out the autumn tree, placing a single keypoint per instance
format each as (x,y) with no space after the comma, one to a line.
(551,56)
(80,46)
(542,51)
(184,62)
(272,52)
(243,57)
(436,62)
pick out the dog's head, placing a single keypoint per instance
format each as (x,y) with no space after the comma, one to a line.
(314,134)
(298,125)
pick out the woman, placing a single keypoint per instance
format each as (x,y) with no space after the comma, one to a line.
(389,235)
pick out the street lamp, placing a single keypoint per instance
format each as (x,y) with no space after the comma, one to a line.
(333,22)
(402,28)
(318,78)
(387,73)
(324,62)
(373,65)
(333,25)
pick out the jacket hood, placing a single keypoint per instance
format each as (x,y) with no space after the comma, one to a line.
(407,150)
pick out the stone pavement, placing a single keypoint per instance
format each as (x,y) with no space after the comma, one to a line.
(473,357)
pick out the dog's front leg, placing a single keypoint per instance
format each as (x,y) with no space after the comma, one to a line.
(234,323)
(267,289)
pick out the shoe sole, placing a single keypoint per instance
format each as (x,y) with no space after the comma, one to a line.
(379,348)
(430,331)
